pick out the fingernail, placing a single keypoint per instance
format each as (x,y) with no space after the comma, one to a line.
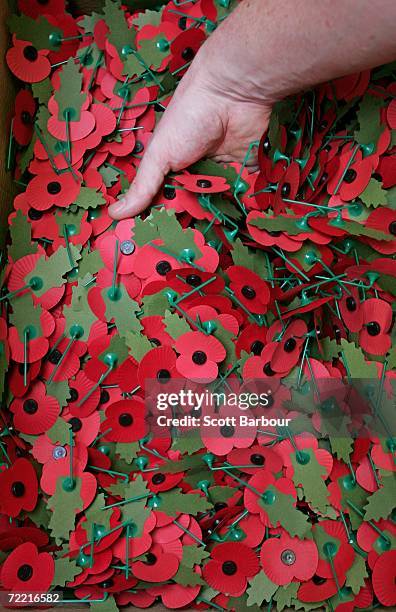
(117,206)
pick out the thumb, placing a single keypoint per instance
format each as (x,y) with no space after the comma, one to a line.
(148,180)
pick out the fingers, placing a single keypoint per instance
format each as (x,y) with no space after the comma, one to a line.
(148,180)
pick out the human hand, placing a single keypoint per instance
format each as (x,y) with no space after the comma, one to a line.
(203,119)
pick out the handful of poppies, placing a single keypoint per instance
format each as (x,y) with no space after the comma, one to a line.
(282,281)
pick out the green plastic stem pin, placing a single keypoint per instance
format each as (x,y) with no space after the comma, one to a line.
(41,138)
(26,334)
(113,290)
(68,249)
(370,522)
(281,254)
(96,385)
(349,164)
(188,532)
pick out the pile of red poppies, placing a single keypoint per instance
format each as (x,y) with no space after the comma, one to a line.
(283,279)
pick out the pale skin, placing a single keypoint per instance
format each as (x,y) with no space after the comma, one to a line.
(264,51)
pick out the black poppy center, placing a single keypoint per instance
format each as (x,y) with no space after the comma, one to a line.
(76,424)
(104,396)
(183,23)
(163,267)
(151,559)
(55,356)
(163,375)
(350,175)
(266,145)
(30,53)
(229,568)
(257,459)
(26,117)
(155,341)
(125,419)
(270,401)
(30,406)
(373,328)
(351,304)
(227,431)
(323,178)
(188,54)
(158,479)
(318,580)
(54,187)
(285,191)
(248,292)
(220,506)
(138,148)
(256,347)
(34,215)
(18,489)
(204,183)
(73,395)
(199,357)
(169,193)
(43,2)
(193,279)
(268,371)
(290,345)
(392,228)
(25,572)
(107,584)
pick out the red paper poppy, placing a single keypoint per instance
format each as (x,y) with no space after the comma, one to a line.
(249,288)
(258,456)
(36,412)
(28,63)
(200,183)
(51,189)
(377,319)
(35,8)
(27,570)
(261,482)
(25,109)
(19,488)
(158,565)
(286,559)
(184,48)
(125,421)
(384,577)
(199,356)
(337,549)
(317,589)
(37,345)
(230,566)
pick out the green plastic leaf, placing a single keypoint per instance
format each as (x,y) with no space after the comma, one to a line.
(119,34)
(148,18)
(283,512)
(285,594)
(108,605)
(90,263)
(194,555)
(95,515)
(381,503)
(308,474)
(175,325)
(245,257)
(260,589)
(221,493)
(27,155)
(109,174)
(355,362)
(155,304)
(138,345)
(51,270)
(59,432)
(175,502)
(369,117)
(211,168)
(70,96)
(36,31)
(341,446)
(127,451)
(41,514)
(64,506)
(118,347)
(374,195)
(122,309)
(189,442)
(42,90)
(89,198)
(187,577)
(21,237)
(135,511)
(356,574)
(66,570)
